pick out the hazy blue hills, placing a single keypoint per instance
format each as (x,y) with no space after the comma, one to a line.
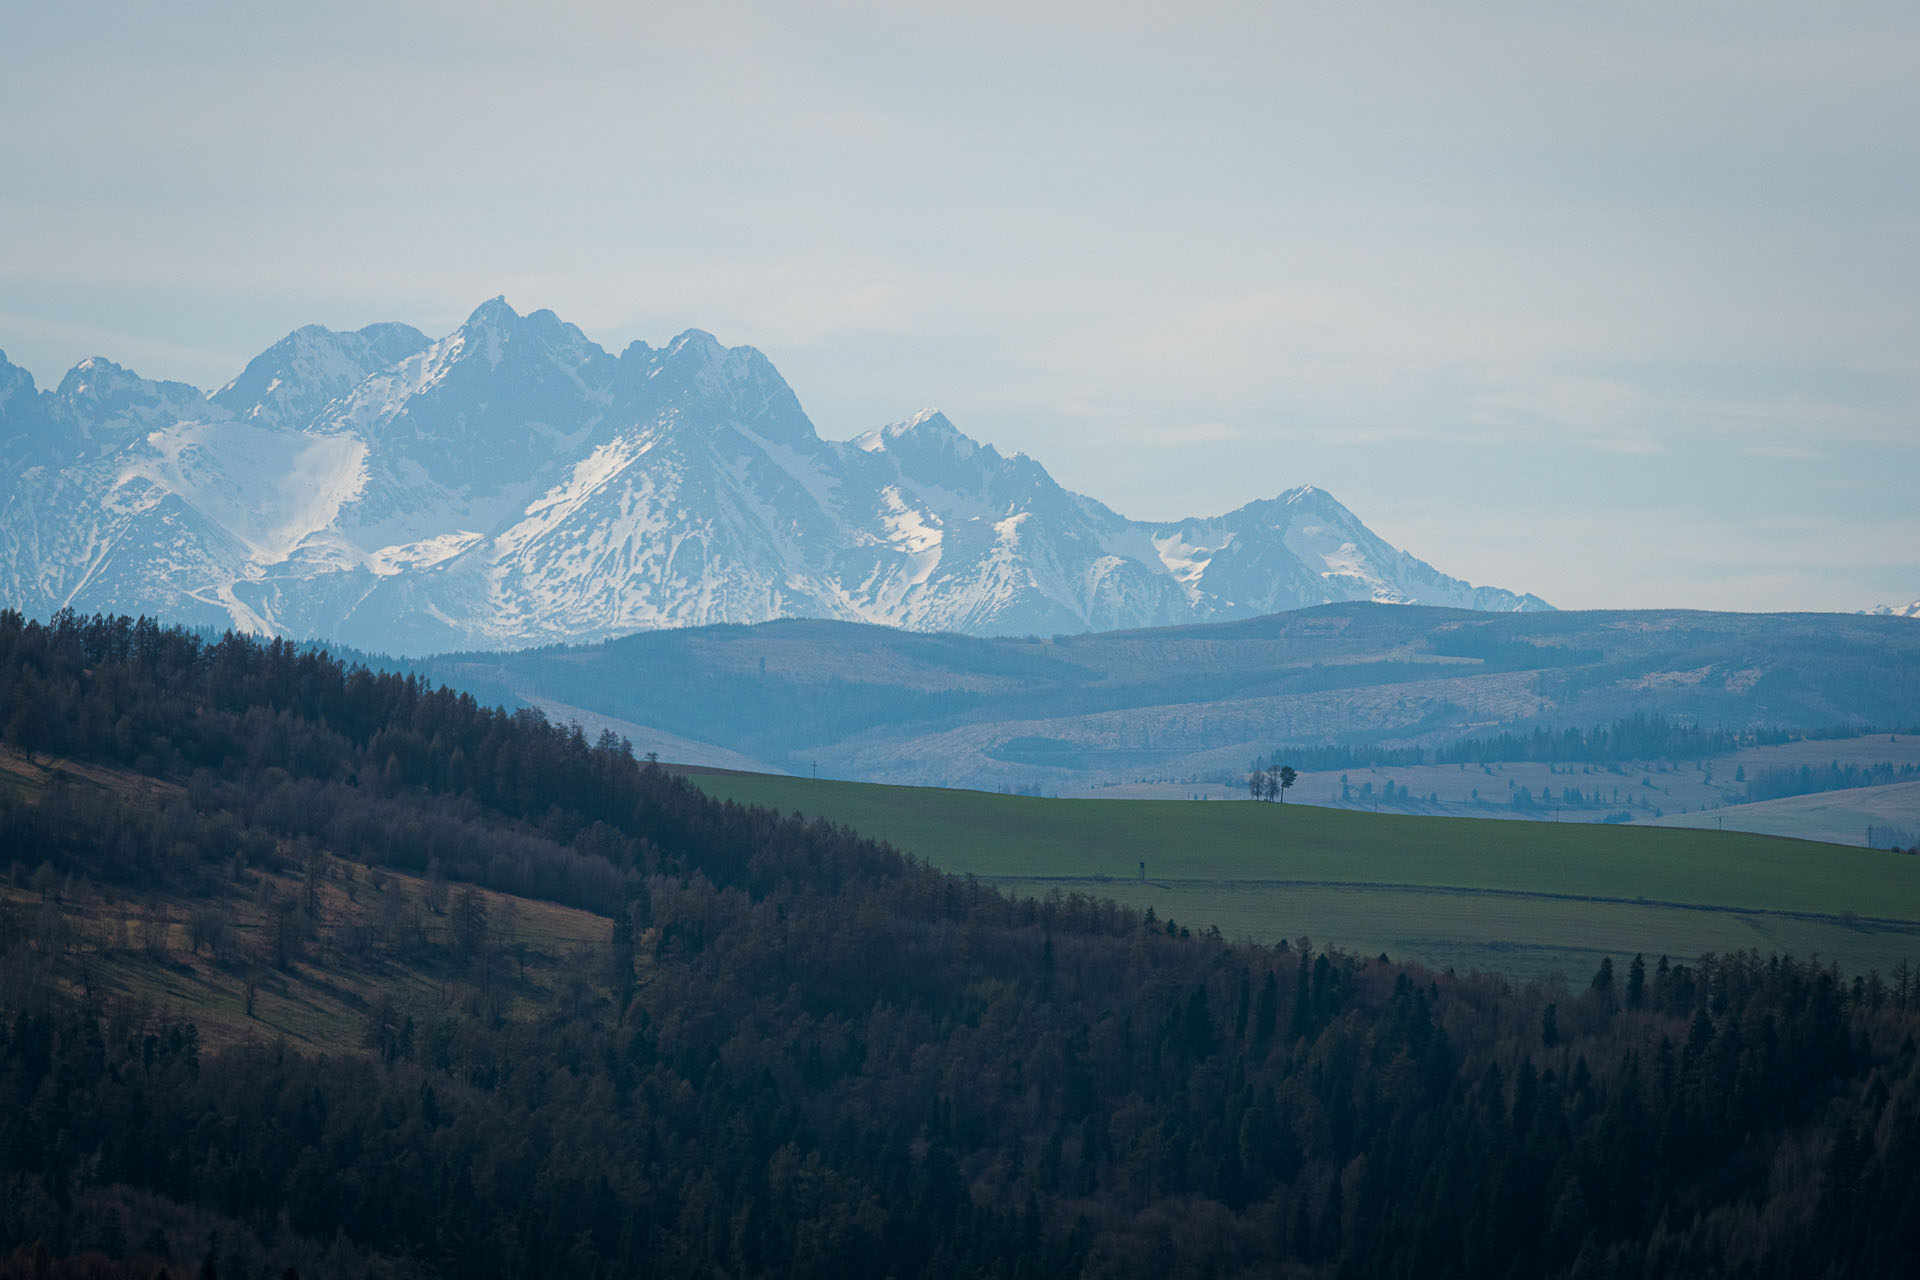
(513,484)
(888,705)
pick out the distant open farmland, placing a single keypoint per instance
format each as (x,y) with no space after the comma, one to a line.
(1708,793)
(1527,899)
(1844,817)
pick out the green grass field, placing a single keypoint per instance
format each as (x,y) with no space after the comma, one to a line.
(1529,899)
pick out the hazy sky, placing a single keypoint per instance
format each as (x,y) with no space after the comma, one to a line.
(1617,303)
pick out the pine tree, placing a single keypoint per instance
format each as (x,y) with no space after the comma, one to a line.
(1266,1016)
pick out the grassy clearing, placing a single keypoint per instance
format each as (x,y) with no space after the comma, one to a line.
(1523,898)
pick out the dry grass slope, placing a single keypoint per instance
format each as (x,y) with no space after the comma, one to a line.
(317,952)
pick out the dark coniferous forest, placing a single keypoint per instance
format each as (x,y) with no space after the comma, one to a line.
(798,1052)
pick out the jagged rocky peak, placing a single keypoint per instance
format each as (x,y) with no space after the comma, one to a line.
(554,331)
(1310,503)
(696,357)
(16,386)
(289,383)
(25,433)
(495,311)
(697,345)
(929,447)
(713,386)
(496,404)
(698,354)
(525,362)
(101,404)
(98,379)
(498,333)
(1308,495)
(927,427)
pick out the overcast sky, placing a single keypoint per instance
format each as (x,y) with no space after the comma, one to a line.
(1619,304)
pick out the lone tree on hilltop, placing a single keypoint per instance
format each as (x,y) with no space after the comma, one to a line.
(1271,782)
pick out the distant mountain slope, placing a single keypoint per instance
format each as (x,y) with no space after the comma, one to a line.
(883,705)
(1896,610)
(513,484)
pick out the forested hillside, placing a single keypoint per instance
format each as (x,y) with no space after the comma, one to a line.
(795,1052)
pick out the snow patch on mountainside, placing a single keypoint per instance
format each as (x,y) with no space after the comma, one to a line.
(551,509)
(915,532)
(383,395)
(271,489)
(388,561)
(1186,561)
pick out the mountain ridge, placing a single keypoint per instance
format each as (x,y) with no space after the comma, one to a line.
(514,484)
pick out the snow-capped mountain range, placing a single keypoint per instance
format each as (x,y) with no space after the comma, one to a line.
(513,484)
(1895,610)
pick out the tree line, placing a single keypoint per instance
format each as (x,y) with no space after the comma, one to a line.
(1772,784)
